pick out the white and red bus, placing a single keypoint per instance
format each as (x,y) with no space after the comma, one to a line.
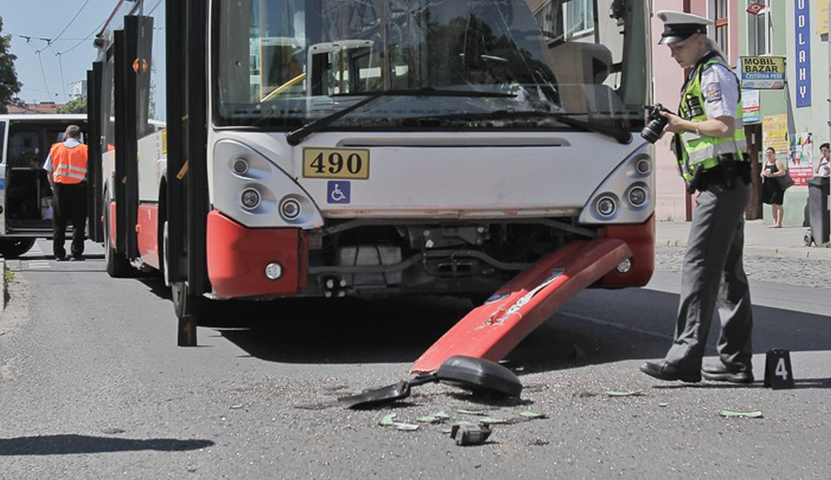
(375,147)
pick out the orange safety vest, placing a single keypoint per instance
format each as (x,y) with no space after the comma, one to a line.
(69,165)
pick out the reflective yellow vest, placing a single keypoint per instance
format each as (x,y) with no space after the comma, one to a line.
(700,150)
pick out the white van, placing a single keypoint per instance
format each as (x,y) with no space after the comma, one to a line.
(25,194)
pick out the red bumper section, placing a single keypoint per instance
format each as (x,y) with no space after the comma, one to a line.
(492,330)
(238,257)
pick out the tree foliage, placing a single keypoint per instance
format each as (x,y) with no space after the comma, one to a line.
(9,85)
(77,105)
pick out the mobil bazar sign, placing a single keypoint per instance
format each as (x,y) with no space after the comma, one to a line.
(762,73)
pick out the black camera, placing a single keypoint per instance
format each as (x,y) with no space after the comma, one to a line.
(655,122)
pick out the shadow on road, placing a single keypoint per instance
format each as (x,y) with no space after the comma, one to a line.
(597,326)
(69,444)
(346,330)
(799,384)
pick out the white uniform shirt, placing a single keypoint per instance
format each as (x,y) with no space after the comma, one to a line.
(824,168)
(721,92)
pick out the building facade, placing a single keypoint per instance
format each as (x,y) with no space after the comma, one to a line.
(796,117)
(793,118)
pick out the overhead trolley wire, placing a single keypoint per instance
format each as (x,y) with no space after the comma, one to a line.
(73,20)
(60,65)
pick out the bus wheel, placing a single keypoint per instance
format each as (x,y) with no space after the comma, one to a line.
(117,264)
(185,306)
(15,247)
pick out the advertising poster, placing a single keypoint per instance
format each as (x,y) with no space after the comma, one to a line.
(750,107)
(775,133)
(822,18)
(762,73)
(801,158)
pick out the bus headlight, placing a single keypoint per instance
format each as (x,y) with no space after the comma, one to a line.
(637,196)
(644,166)
(624,266)
(250,199)
(240,166)
(290,208)
(273,271)
(606,206)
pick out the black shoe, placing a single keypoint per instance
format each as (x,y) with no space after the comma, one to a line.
(62,258)
(76,258)
(666,371)
(720,373)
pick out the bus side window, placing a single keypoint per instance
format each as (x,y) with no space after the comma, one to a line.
(24,149)
(2,140)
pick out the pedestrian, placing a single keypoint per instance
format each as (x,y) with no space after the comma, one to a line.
(711,149)
(66,169)
(772,192)
(824,165)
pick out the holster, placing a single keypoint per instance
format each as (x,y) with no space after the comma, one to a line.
(696,180)
(729,171)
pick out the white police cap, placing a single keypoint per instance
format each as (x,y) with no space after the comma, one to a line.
(679,26)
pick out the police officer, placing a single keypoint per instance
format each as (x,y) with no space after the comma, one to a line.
(710,146)
(66,168)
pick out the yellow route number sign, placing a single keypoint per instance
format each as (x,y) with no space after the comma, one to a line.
(335,163)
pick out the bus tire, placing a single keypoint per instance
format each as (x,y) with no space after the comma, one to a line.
(15,247)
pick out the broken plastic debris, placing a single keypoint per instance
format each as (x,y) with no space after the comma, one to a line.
(731,413)
(407,427)
(625,393)
(663,404)
(462,422)
(441,414)
(429,419)
(470,434)
(493,421)
(531,415)
(386,420)
(470,412)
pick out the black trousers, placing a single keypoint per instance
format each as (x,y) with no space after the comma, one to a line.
(70,204)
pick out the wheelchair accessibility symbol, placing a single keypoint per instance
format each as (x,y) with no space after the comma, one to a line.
(338,192)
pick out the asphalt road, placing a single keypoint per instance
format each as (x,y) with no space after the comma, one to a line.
(93,386)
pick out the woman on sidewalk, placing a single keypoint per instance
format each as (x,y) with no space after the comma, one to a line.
(824,164)
(772,192)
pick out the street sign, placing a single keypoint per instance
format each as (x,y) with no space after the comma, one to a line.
(755,7)
(762,72)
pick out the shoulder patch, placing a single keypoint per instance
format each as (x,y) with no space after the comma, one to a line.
(712,92)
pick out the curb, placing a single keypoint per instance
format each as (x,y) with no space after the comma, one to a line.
(3,291)
(809,253)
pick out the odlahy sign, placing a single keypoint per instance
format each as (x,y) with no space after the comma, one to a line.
(803,53)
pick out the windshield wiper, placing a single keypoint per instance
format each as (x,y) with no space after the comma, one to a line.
(615,131)
(296,136)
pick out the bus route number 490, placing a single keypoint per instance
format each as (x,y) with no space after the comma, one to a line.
(336,163)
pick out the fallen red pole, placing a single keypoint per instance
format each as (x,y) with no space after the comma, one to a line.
(492,330)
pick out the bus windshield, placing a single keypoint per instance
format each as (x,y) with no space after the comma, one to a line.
(304,60)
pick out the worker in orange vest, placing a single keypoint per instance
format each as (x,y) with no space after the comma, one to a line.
(66,169)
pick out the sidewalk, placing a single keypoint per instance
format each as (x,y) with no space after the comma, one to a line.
(759,239)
